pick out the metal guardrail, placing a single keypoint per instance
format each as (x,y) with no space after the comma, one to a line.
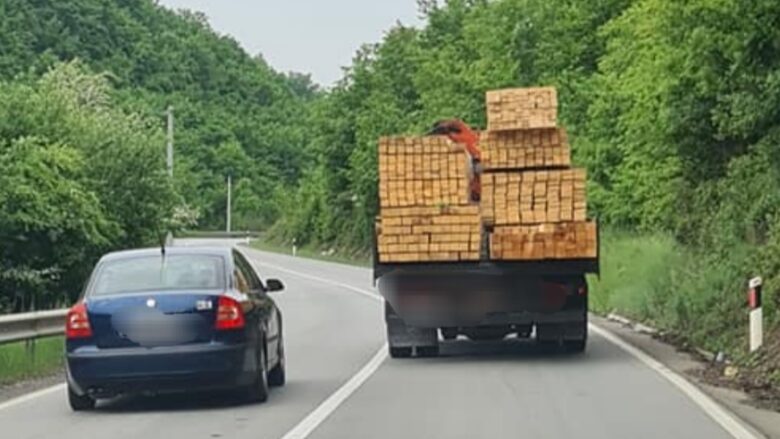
(218,234)
(31,325)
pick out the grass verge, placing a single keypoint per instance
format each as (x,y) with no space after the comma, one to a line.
(18,362)
(696,298)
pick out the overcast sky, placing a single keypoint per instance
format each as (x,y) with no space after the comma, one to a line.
(308,36)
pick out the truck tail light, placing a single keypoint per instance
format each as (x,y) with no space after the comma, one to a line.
(77,322)
(230,315)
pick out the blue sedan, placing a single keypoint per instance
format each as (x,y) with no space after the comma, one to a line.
(170,320)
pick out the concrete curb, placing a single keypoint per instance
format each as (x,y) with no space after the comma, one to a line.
(649,330)
(636,326)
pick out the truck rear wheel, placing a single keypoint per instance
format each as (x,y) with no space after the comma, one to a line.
(401,338)
(449,333)
(575,346)
(428,351)
(400,352)
(487,333)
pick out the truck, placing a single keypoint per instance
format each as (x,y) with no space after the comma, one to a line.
(506,256)
(484,300)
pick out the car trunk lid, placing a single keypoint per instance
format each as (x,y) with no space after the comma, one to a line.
(153,319)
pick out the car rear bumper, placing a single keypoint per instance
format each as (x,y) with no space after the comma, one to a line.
(108,372)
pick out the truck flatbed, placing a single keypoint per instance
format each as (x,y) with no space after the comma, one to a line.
(559,267)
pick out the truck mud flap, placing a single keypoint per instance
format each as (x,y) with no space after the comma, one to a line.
(400,335)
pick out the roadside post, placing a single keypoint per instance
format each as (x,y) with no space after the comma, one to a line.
(756,315)
(295,247)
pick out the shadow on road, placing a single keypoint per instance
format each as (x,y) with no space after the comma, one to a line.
(196,401)
(513,349)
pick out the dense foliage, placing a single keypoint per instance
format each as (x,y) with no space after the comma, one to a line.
(82,144)
(77,177)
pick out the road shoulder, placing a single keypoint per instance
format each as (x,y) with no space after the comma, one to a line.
(766,421)
(28,386)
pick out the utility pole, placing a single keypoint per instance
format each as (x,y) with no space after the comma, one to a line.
(170,141)
(229,188)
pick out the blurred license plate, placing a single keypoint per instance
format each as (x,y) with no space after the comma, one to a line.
(151,328)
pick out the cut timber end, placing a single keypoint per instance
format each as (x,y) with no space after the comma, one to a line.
(572,240)
(522,108)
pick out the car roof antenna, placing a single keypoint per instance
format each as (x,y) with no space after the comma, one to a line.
(162,242)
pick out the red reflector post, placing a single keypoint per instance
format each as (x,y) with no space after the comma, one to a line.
(77,322)
(230,315)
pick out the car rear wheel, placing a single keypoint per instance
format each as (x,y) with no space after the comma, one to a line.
(277,375)
(80,402)
(258,390)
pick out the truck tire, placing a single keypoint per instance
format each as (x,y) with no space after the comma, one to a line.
(449,333)
(428,351)
(578,345)
(575,346)
(403,352)
(487,333)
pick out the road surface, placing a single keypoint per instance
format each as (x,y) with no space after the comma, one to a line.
(342,385)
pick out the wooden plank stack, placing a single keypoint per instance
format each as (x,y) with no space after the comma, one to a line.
(428,234)
(421,171)
(423,190)
(567,240)
(532,199)
(522,108)
(533,204)
(521,149)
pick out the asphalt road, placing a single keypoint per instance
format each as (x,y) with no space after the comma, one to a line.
(340,387)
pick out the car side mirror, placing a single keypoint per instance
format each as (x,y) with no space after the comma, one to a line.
(273,285)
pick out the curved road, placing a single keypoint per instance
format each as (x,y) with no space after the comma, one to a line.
(334,330)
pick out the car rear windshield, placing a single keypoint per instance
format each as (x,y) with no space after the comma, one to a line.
(158,273)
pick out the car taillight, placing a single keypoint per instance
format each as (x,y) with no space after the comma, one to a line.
(77,322)
(230,315)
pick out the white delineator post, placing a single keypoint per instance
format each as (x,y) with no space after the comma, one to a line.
(295,247)
(756,315)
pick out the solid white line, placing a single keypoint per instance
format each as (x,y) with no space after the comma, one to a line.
(323,280)
(316,417)
(24,398)
(304,428)
(723,417)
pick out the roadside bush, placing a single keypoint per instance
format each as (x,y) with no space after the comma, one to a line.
(78,177)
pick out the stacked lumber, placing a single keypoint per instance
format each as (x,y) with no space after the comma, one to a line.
(425,214)
(421,171)
(521,149)
(522,108)
(534,197)
(533,204)
(570,240)
(428,234)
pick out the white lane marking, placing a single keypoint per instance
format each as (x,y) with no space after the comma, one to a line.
(324,410)
(304,428)
(323,280)
(723,417)
(24,398)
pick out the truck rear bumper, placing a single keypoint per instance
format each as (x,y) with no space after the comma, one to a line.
(499,318)
(435,299)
